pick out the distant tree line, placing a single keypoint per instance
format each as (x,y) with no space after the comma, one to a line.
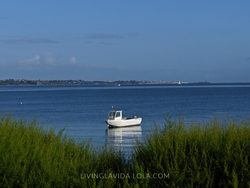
(75,83)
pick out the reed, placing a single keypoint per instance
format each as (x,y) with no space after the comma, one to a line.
(211,155)
(32,157)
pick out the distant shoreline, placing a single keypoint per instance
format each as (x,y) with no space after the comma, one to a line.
(118,83)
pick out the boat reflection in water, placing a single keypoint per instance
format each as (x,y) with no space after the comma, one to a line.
(124,138)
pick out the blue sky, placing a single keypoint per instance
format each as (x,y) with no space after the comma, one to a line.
(125,39)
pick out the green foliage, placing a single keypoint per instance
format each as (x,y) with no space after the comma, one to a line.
(210,155)
(31,157)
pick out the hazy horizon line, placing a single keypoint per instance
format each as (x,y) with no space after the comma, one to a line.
(126,80)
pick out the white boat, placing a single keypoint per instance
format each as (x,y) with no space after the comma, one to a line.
(116,119)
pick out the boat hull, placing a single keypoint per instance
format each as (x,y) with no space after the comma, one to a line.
(124,122)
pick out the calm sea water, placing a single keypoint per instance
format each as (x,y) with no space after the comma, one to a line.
(81,111)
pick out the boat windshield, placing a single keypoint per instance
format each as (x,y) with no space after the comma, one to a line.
(111,115)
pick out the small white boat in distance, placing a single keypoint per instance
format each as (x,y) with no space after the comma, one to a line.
(116,119)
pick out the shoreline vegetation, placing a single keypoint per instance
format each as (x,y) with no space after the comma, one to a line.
(108,83)
(205,155)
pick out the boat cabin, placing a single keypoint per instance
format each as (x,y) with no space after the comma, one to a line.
(115,114)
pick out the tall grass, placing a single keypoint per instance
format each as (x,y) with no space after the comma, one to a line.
(31,157)
(209,155)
